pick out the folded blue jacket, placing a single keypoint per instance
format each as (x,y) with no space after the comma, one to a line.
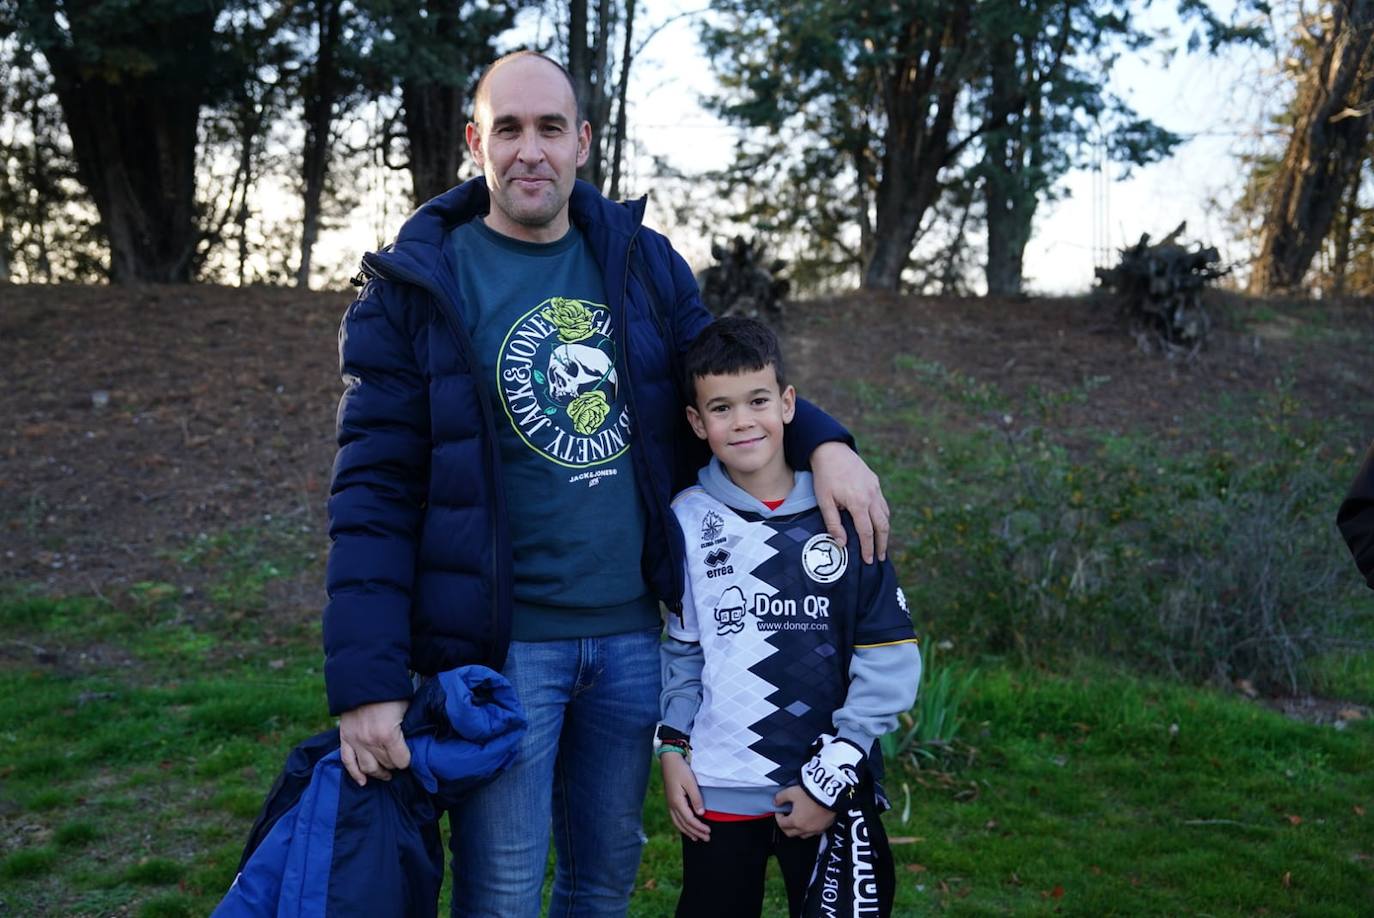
(322,845)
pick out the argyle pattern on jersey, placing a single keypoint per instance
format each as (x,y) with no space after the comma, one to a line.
(771,610)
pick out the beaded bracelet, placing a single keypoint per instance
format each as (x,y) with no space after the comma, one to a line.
(680,747)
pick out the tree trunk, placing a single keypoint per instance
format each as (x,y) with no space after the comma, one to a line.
(1342,235)
(249,124)
(579,59)
(589,64)
(435,114)
(43,195)
(622,88)
(1007,194)
(134,137)
(1026,61)
(1010,212)
(434,120)
(1008,234)
(922,78)
(899,214)
(599,105)
(1327,145)
(5,244)
(319,123)
(8,195)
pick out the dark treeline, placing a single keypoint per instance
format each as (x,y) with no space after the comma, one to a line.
(122,116)
(138,140)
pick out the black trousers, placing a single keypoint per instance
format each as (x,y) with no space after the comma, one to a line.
(723,878)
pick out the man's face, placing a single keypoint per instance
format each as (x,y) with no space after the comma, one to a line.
(528,143)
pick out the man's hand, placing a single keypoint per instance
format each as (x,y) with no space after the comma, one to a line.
(807,818)
(370,740)
(843,481)
(684,797)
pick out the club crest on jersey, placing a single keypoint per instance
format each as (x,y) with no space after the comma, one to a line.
(730,611)
(717,563)
(712,525)
(824,559)
(556,376)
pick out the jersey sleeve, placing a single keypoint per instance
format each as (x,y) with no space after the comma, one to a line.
(883,614)
(885,669)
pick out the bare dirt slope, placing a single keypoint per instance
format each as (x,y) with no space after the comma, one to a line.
(135,419)
(132,420)
(1056,346)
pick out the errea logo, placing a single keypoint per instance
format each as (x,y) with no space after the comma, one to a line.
(717,563)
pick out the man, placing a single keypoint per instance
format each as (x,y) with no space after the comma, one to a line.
(508,444)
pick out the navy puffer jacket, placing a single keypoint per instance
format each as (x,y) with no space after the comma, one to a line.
(419,575)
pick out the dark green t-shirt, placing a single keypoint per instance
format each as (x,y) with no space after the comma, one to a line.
(542,334)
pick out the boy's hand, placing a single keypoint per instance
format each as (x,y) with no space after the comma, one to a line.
(807,818)
(843,481)
(684,797)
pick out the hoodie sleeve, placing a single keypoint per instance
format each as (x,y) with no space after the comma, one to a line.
(375,507)
(682,661)
(882,684)
(1356,518)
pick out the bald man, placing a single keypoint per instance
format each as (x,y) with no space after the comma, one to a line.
(510,437)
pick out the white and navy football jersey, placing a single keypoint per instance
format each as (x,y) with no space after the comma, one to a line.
(777,607)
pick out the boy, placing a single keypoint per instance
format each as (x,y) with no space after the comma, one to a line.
(791,657)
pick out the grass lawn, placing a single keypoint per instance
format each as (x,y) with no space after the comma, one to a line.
(131,778)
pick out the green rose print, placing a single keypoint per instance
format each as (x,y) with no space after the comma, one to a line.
(587,411)
(571,318)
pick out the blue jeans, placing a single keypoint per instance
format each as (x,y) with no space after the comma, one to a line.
(582,770)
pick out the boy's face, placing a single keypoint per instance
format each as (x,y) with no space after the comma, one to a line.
(741,417)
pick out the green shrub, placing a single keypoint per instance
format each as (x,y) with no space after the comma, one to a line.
(1219,563)
(1265,597)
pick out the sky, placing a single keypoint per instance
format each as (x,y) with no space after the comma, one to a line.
(1215,102)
